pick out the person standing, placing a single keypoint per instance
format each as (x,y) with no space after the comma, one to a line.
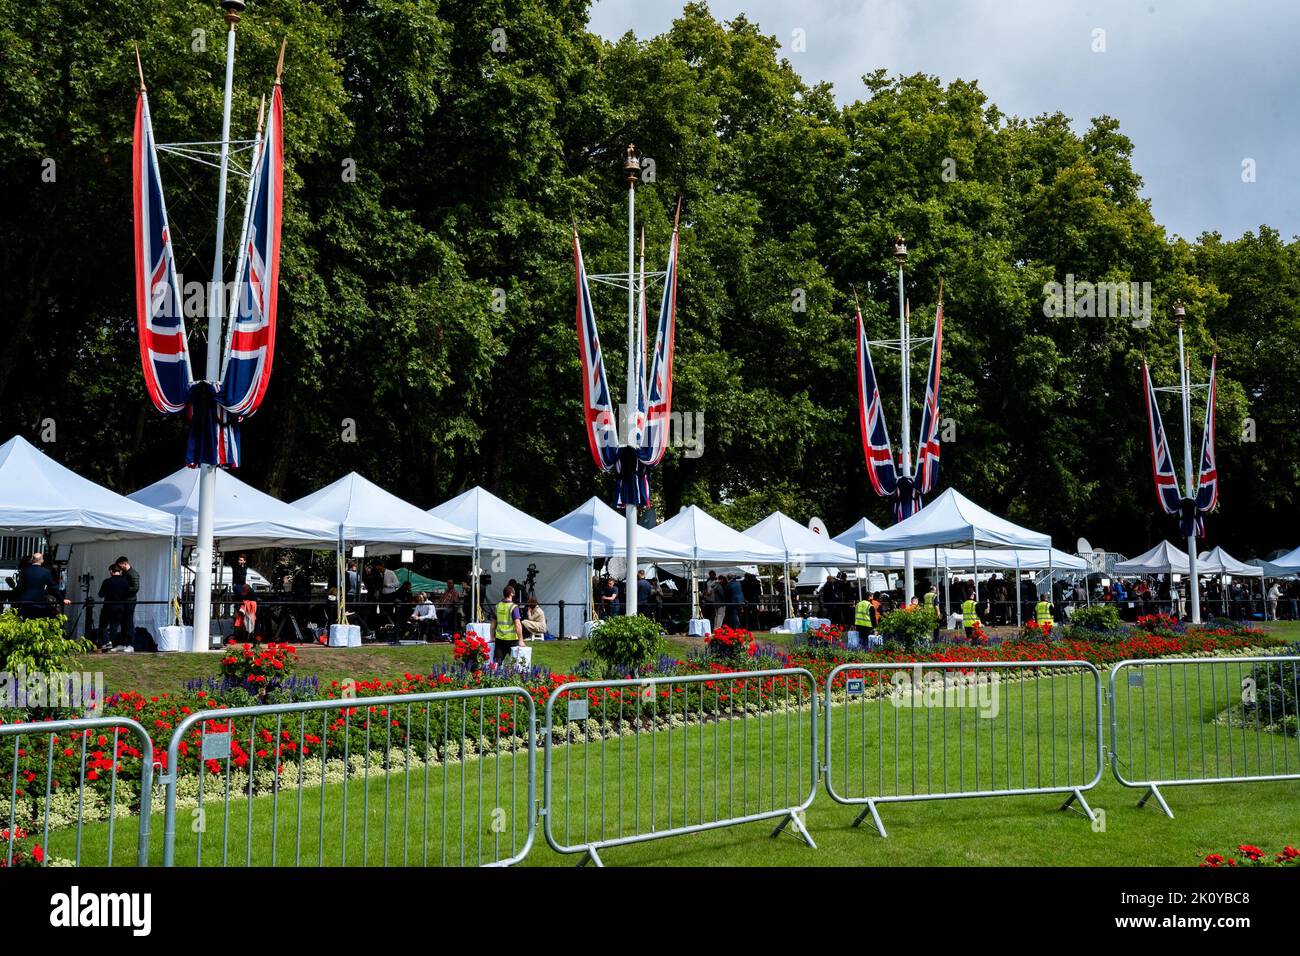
(133,579)
(35,589)
(931,600)
(969,618)
(735,601)
(508,628)
(1274,593)
(115,593)
(642,594)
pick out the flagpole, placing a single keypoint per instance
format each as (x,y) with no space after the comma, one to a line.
(208,473)
(633,169)
(905,346)
(1185,388)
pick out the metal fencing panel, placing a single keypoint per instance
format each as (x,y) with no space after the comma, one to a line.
(628,761)
(1200,720)
(939,730)
(438,779)
(66,783)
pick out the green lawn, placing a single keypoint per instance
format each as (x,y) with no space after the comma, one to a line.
(667,778)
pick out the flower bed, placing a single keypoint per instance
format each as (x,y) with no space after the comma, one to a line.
(1247,854)
(396,735)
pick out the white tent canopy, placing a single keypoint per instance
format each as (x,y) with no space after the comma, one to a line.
(243,516)
(1164,558)
(953,520)
(865,528)
(799,543)
(605,531)
(862,528)
(363,513)
(709,541)
(493,525)
(1218,561)
(1030,559)
(43,497)
(1284,566)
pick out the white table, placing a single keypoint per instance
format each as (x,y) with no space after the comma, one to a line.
(345,635)
(699,627)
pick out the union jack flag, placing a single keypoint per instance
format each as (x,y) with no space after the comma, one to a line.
(250,336)
(927,452)
(1207,486)
(871,422)
(1162,462)
(654,436)
(216,408)
(160,320)
(598,407)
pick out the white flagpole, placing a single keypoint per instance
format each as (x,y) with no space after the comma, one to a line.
(208,473)
(633,169)
(905,351)
(1185,387)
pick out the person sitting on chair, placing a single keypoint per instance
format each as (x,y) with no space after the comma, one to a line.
(424,616)
(534,621)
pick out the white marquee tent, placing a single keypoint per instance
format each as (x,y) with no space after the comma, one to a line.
(363,513)
(42,497)
(605,531)
(802,547)
(243,516)
(953,521)
(519,540)
(1218,561)
(1164,558)
(1284,566)
(709,541)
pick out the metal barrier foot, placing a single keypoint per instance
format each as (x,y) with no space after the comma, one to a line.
(592,857)
(1083,808)
(795,819)
(1153,792)
(871,809)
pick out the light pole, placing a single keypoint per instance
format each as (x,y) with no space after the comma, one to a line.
(633,169)
(1185,390)
(905,351)
(208,473)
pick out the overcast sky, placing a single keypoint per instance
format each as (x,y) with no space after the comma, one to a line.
(1198,85)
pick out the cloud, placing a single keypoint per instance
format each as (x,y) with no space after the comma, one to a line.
(1199,85)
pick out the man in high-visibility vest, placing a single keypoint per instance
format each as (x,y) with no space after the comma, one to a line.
(1043,611)
(509,629)
(969,618)
(931,599)
(862,616)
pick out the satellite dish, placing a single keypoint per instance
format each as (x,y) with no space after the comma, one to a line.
(817,526)
(616,567)
(1082,546)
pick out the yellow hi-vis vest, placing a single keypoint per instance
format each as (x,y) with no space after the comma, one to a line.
(968,616)
(1043,612)
(862,613)
(505,621)
(932,601)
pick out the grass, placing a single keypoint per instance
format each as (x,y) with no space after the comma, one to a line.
(1019,830)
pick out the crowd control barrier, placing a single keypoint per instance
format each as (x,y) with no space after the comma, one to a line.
(898,733)
(439,779)
(627,761)
(47,773)
(1203,720)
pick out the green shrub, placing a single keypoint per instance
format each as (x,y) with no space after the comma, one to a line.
(626,644)
(909,626)
(1098,617)
(37,645)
